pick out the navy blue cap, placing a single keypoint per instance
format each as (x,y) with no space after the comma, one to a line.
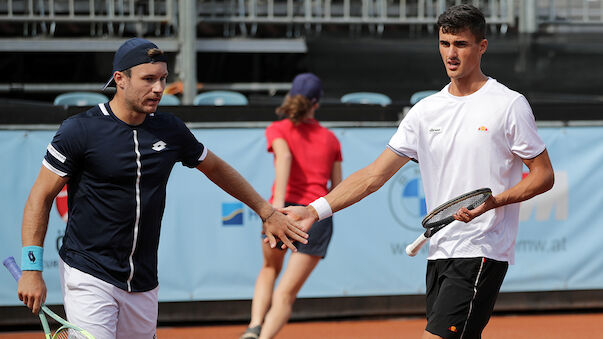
(131,53)
(308,85)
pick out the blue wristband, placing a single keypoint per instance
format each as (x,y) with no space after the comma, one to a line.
(32,258)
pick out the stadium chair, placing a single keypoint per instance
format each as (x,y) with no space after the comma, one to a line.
(80,99)
(220,98)
(417,96)
(169,100)
(369,98)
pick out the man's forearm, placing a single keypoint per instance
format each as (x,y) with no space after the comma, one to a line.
(233,183)
(35,221)
(365,181)
(532,185)
(353,189)
(539,180)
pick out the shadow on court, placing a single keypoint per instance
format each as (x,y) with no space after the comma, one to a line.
(556,326)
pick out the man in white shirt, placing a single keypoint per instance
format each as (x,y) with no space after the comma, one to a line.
(474,133)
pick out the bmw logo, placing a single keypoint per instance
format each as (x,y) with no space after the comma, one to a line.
(406,197)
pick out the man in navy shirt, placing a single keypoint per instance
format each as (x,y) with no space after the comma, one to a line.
(116,159)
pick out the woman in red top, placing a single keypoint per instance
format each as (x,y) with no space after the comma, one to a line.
(306,157)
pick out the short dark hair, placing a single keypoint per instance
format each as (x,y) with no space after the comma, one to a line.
(154,53)
(151,53)
(134,52)
(460,17)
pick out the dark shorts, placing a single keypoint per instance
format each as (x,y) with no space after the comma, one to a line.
(319,237)
(461,293)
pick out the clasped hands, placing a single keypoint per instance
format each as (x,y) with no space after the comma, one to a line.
(289,224)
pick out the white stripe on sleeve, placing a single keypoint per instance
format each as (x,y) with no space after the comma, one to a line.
(53,151)
(52,169)
(204,154)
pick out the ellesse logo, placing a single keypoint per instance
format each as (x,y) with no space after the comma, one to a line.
(435,130)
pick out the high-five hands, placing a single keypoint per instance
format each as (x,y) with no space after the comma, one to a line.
(305,216)
(277,225)
(299,221)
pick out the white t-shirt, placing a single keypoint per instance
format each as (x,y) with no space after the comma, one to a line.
(466,143)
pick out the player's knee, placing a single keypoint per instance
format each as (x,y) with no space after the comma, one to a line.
(284,297)
(272,267)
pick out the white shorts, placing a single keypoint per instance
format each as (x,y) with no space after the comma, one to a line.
(106,311)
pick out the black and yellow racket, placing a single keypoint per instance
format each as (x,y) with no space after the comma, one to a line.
(67,329)
(442,215)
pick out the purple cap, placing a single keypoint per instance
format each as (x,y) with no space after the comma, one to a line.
(131,53)
(308,85)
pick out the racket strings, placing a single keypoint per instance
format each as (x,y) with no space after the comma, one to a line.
(68,333)
(470,202)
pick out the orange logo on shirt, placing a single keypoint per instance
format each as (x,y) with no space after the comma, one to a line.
(482,128)
(452,328)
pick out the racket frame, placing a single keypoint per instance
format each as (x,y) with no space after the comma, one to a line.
(15,271)
(431,228)
(425,222)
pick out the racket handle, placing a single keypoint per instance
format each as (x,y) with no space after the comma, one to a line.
(416,245)
(12,267)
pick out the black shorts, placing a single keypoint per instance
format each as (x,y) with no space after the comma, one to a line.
(461,293)
(319,237)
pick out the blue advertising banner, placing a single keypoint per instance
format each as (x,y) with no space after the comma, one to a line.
(210,246)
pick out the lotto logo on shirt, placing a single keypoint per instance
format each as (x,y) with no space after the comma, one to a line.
(232,213)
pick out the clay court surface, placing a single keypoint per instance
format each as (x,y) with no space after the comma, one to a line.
(556,326)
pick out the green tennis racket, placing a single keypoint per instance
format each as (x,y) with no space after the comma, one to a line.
(67,329)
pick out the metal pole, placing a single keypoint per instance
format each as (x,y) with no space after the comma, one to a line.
(527,17)
(187,57)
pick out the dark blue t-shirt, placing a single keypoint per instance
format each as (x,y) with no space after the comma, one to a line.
(116,191)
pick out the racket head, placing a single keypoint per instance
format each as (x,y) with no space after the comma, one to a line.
(66,332)
(71,330)
(443,214)
(63,333)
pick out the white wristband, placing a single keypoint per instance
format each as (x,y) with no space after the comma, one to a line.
(322,207)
